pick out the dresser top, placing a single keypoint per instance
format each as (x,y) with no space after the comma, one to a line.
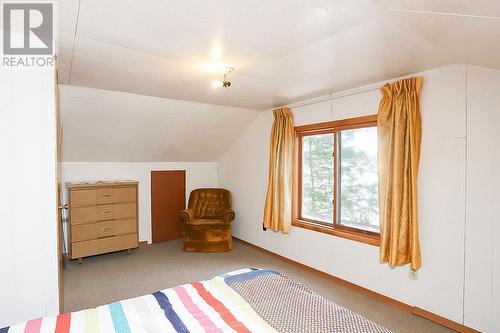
(71,185)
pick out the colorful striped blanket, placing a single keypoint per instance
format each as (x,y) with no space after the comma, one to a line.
(240,301)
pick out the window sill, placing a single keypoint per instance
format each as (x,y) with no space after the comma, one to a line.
(371,239)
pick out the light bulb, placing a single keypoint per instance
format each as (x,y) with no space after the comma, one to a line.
(216,52)
(217,84)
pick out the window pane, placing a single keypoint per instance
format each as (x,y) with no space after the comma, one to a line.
(358,179)
(317,177)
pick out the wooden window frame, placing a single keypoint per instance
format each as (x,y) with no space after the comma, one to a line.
(335,229)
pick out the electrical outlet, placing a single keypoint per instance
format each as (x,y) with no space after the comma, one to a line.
(413,274)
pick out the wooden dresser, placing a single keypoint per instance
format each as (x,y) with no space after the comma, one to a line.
(102,217)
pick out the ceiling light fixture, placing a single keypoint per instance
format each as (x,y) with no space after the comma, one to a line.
(225,83)
(217,84)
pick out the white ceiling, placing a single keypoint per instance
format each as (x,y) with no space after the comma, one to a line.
(283,51)
(109,126)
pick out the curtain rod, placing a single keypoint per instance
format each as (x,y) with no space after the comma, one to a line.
(332,96)
(348,92)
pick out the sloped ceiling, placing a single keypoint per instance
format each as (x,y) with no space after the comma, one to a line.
(283,51)
(108,126)
(138,58)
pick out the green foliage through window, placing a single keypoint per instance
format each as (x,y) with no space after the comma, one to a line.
(358,179)
(317,177)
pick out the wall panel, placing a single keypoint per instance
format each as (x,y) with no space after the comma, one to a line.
(482,256)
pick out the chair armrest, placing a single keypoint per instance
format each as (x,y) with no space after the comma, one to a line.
(228,215)
(187,215)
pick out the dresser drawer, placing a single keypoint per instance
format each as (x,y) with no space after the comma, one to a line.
(105,212)
(125,242)
(127,226)
(84,232)
(81,215)
(125,210)
(125,194)
(105,196)
(83,249)
(105,229)
(82,197)
(106,244)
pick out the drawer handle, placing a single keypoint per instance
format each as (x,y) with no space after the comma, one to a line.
(108,228)
(106,212)
(107,195)
(106,245)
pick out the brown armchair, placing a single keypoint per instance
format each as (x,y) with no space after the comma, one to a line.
(207,221)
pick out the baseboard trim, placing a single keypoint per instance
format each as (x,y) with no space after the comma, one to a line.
(409,308)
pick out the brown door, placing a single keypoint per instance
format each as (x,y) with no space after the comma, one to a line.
(168,198)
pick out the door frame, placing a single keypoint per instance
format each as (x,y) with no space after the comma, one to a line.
(151,193)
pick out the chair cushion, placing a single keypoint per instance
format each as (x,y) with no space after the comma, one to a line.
(207,222)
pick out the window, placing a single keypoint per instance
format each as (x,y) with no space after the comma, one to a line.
(336,179)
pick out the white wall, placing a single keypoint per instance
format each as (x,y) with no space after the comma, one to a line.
(28,211)
(482,279)
(439,288)
(198,174)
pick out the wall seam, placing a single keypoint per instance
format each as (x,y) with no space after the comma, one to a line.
(466,189)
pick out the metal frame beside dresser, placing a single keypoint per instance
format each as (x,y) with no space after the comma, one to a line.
(103,217)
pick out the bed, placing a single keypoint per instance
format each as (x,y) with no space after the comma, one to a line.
(247,300)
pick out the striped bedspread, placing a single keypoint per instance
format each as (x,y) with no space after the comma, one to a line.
(232,302)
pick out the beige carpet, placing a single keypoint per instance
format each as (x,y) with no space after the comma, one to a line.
(107,278)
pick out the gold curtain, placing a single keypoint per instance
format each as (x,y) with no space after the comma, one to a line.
(399,128)
(278,206)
